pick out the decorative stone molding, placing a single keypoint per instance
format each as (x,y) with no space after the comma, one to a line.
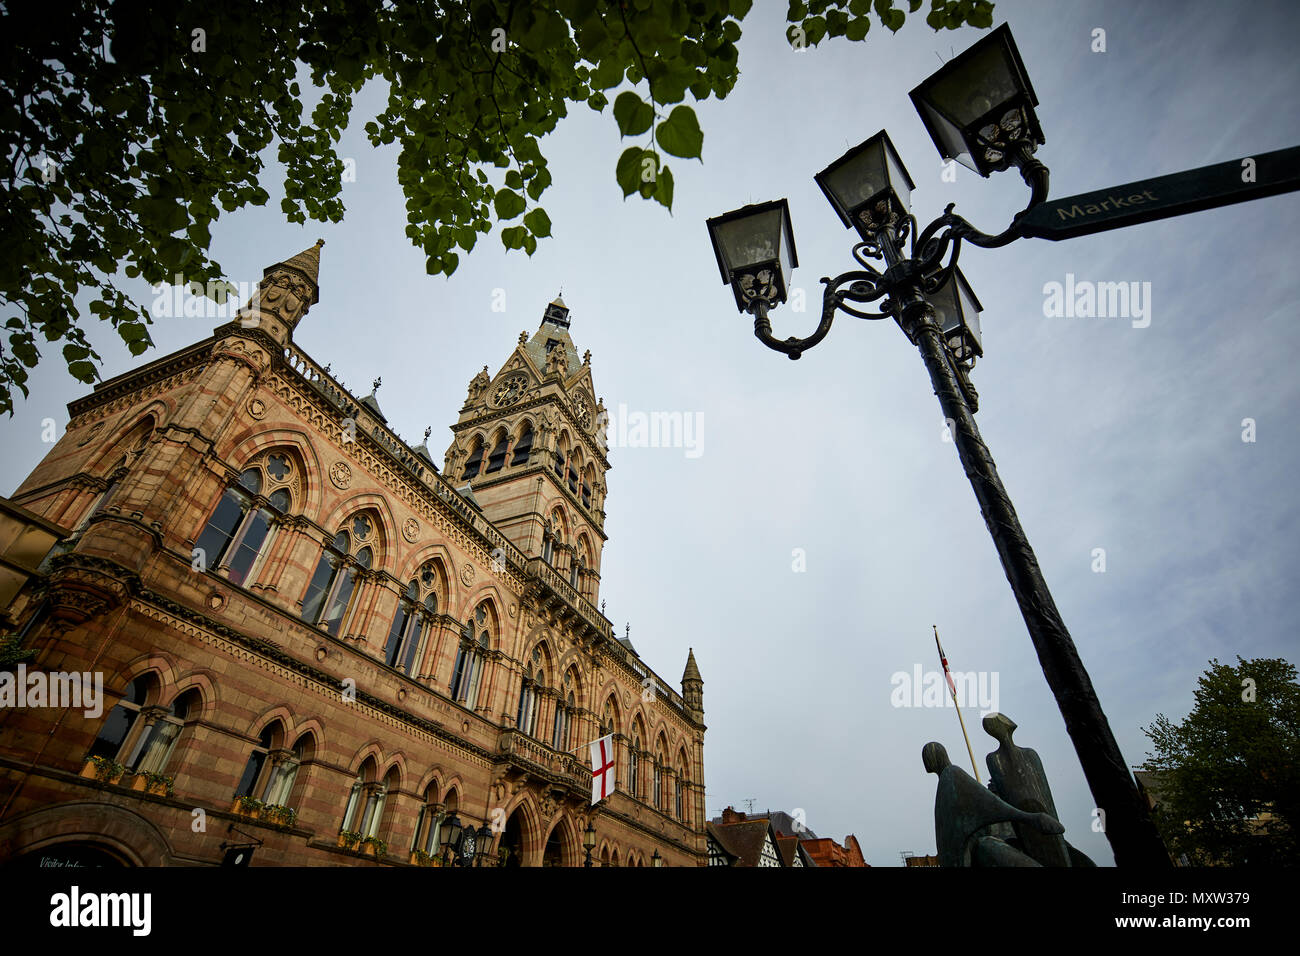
(411,530)
(341,475)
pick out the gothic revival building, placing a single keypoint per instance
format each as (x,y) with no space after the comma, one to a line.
(307,632)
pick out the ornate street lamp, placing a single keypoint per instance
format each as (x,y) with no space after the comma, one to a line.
(755,250)
(451,833)
(979,109)
(655,859)
(589,841)
(485,856)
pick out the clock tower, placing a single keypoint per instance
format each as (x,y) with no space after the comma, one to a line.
(529,451)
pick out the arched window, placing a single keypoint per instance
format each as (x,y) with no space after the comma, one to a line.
(413,622)
(331,586)
(475,459)
(587,482)
(106,496)
(561,454)
(680,801)
(366,802)
(471,659)
(634,767)
(563,720)
(497,460)
(529,696)
(658,784)
(154,747)
(523,446)
(241,527)
(609,719)
(122,720)
(285,772)
(428,828)
(252,774)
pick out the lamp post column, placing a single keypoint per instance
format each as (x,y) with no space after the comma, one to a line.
(1128,826)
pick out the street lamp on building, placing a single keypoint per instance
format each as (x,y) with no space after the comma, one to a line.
(979,109)
(589,841)
(451,833)
(484,855)
(655,859)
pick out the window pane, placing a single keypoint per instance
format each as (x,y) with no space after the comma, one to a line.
(319,587)
(364,557)
(280,500)
(393,647)
(252,480)
(412,645)
(498,457)
(225,521)
(114,731)
(333,617)
(249,546)
(277,466)
(251,771)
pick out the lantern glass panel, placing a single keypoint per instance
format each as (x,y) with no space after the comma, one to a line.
(747,241)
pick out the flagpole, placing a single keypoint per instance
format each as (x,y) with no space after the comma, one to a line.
(952,689)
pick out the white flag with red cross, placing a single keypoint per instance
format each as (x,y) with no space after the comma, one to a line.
(602,768)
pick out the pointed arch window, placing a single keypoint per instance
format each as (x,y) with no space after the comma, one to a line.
(658,785)
(523,447)
(530,695)
(471,659)
(330,590)
(284,773)
(563,721)
(122,720)
(412,623)
(634,767)
(680,801)
(365,803)
(244,521)
(257,760)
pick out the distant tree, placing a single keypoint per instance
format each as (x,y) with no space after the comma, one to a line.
(1229,775)
(128,126)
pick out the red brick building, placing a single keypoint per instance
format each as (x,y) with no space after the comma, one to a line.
(306,632)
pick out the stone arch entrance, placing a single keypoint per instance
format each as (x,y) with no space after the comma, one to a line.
(512,839)
(561,847)
(94,831)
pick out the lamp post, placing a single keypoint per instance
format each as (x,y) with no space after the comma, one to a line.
(451,831)
(484,856)
(589,841)
(655,859)
(979,109)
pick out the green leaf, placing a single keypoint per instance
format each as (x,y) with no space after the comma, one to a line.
(680,134)
(508,204)
(538,223)
(664,188)
(628,171)
(632,114)
(512,237)
(598,101)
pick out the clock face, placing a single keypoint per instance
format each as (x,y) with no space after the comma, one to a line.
(582,409)
(509,391)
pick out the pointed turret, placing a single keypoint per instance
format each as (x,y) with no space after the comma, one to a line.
(287,290)
(693,687)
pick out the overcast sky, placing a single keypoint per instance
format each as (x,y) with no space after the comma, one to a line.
(1107,435)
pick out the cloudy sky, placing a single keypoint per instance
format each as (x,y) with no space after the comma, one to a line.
(1107,435)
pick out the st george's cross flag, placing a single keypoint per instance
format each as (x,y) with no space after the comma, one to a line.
(602,768)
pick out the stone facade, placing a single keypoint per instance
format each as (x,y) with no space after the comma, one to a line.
(289,604)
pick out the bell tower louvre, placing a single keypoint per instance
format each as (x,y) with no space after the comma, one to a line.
(306,630)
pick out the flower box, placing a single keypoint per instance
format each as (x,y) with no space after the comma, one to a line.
(102,769)
(152,783)
(247,807)
(279,816)
(349,840)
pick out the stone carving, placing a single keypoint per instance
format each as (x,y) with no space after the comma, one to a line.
(340,474)
(283,294)
(477,386)
(964,811)
(257,409)
(557,363)
(410,530)
(467,574)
